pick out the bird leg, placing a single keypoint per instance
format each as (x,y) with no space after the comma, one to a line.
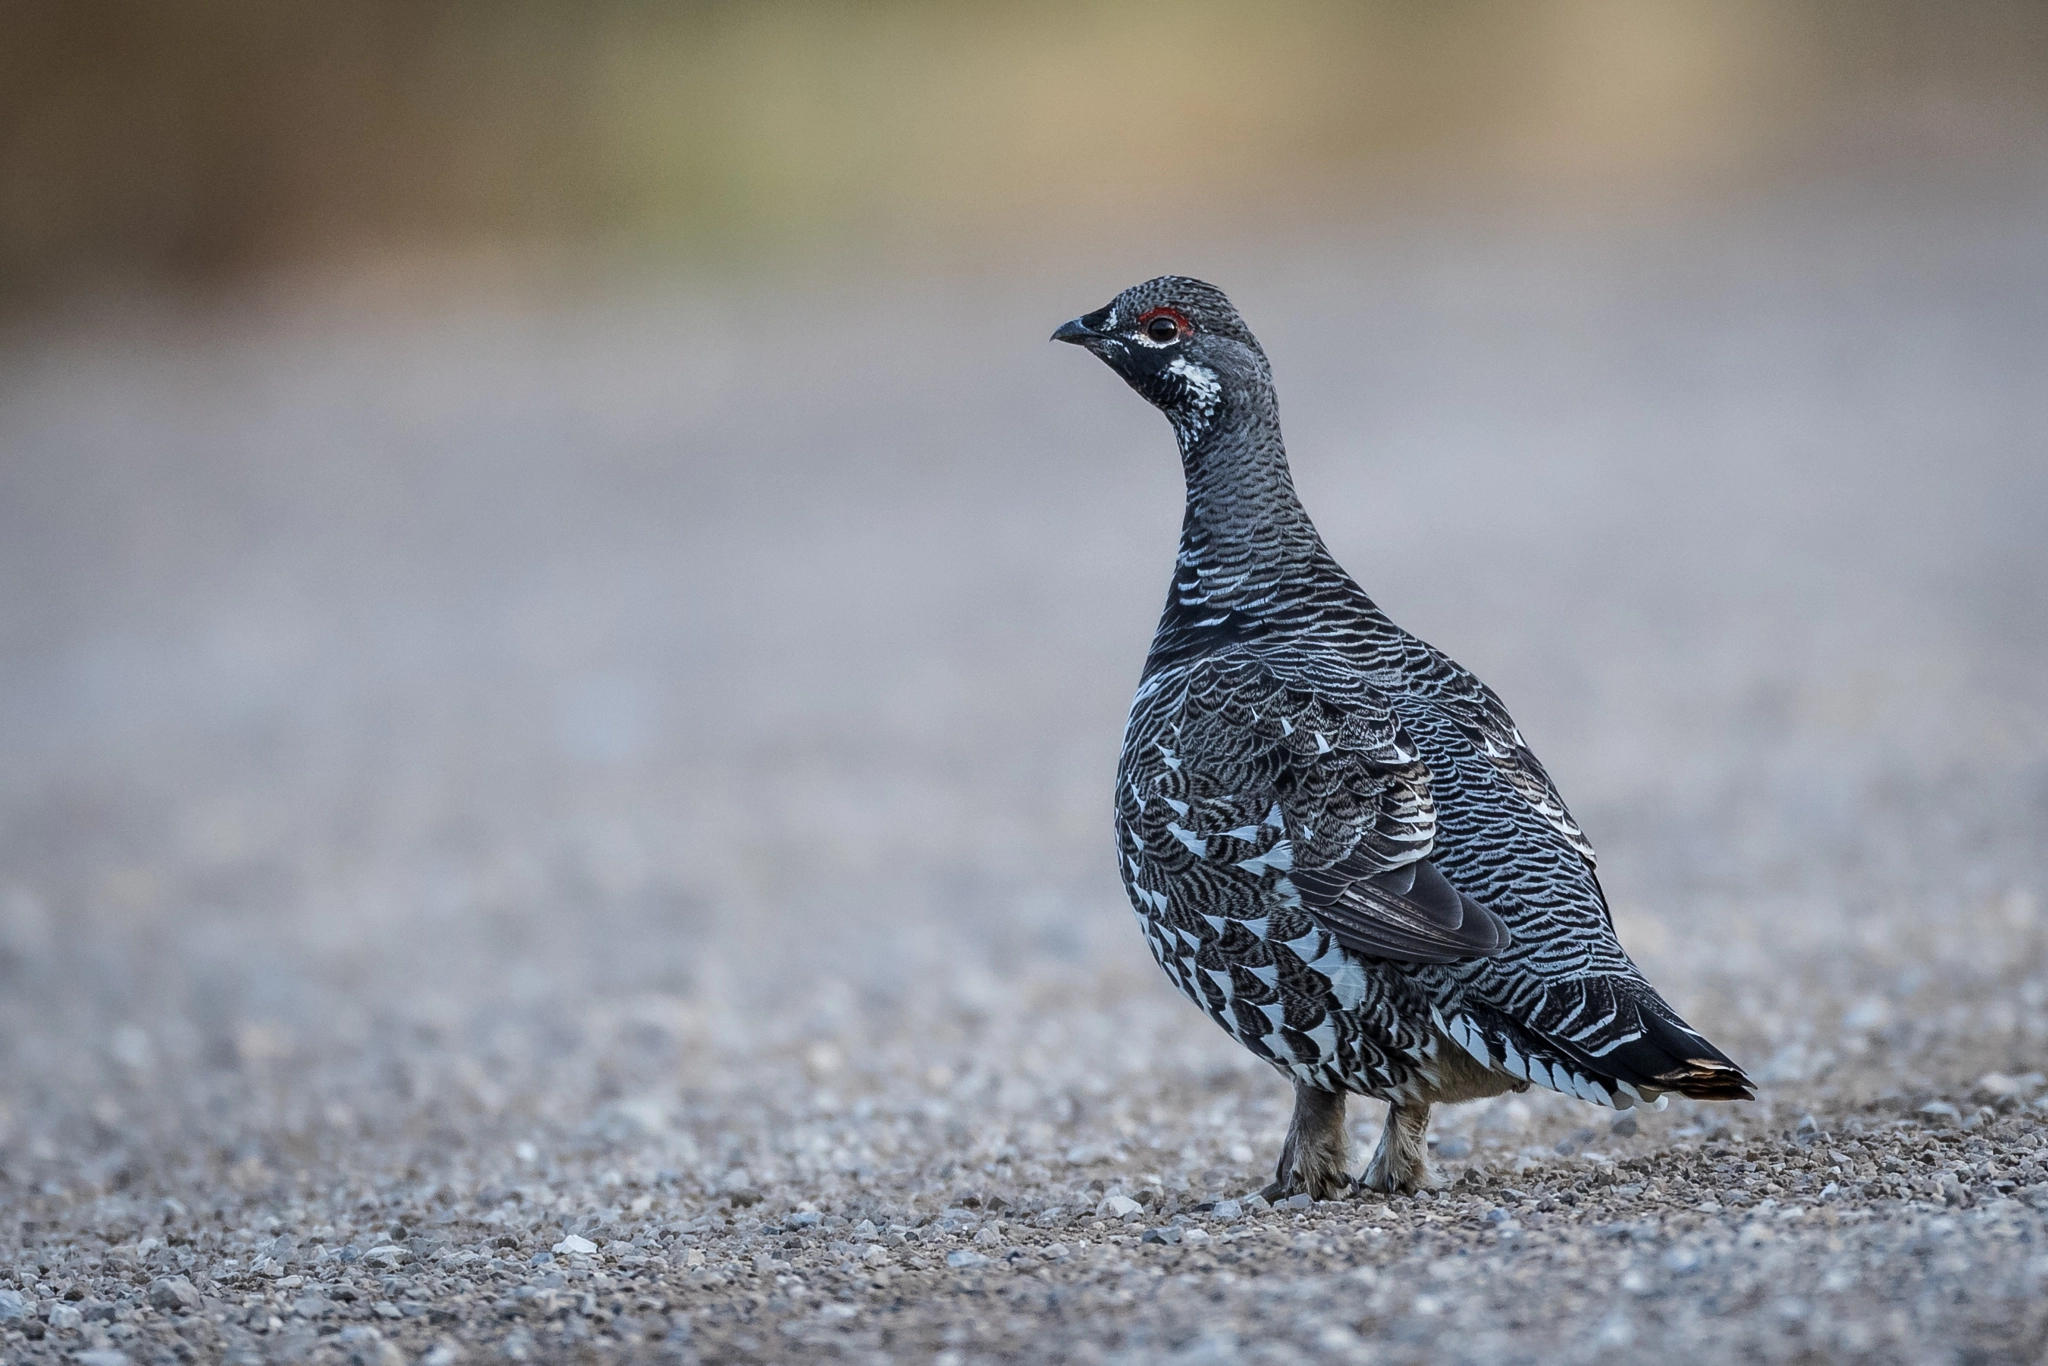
(1315,1156)
(1400,1165)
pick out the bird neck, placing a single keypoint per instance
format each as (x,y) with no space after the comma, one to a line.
(1245,537)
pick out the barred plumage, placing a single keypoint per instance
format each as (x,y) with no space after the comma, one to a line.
(1335,838)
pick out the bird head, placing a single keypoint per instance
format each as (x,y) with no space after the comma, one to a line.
(1179,343)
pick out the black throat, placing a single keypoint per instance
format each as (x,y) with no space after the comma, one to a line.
(1249,555)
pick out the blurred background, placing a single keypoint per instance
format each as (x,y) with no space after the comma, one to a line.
(549,577)
(206,140)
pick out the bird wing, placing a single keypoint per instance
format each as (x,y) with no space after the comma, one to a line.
(1484,721)
(1349,790)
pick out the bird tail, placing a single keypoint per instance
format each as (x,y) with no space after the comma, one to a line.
(1632,1052)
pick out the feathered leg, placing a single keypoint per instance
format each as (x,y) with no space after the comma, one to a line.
(1315,1157)
(1400,1165)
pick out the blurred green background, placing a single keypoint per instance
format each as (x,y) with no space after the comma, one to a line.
(196,140)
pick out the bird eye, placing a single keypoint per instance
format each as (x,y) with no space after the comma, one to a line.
(1162,329)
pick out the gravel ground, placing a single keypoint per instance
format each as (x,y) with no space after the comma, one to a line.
(575,826)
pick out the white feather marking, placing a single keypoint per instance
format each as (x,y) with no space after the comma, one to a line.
(1308,948)
(1324,1037)
(1201,381)
(1347,978)
(1275,819)
(1197,846)
(1268,974)
(1280,858)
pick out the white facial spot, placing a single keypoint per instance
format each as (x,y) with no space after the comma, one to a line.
(1205,390)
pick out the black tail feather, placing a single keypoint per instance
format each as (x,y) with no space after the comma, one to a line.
(1661,1054)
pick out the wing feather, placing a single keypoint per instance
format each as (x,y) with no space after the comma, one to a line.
(1353,797)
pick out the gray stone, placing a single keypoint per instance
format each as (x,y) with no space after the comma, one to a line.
(174,1295)
(13,1305)
(1119,1207)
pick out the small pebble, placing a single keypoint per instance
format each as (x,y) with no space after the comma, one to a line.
(174,1294)
(1119,1207)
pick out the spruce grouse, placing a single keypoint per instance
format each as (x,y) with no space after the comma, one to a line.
(1335,838)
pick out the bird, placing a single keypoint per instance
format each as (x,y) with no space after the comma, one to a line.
(1335,838)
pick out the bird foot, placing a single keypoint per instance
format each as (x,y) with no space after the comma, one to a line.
(1400,1165)
(1314,1157)
(1384,1179)
(1342,1188)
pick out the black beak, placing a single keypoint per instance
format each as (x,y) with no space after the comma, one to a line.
(1076,332)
